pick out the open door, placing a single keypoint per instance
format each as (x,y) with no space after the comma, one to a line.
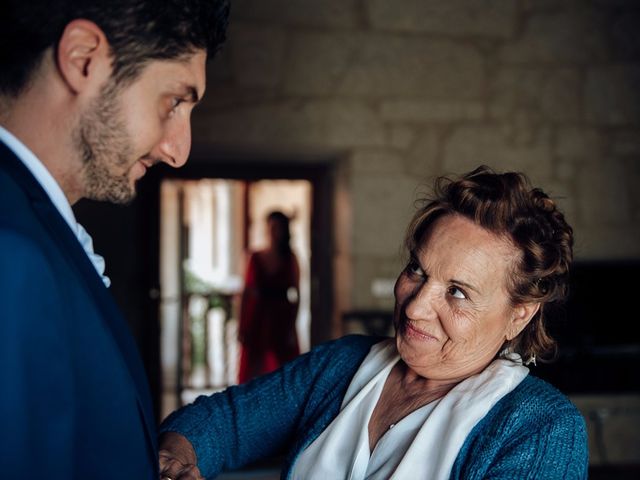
(208,226)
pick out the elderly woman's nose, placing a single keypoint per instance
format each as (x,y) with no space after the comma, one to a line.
(421,304)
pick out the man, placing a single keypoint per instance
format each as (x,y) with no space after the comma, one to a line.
(92,94)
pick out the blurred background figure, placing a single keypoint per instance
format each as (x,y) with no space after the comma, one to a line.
(267,330)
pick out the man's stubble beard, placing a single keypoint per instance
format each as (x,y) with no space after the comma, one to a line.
(102,140)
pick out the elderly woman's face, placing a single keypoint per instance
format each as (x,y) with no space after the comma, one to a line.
(452,310)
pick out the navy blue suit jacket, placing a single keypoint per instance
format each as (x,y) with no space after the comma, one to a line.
(74,399)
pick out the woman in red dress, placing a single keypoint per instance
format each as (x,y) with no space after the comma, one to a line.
(269,307)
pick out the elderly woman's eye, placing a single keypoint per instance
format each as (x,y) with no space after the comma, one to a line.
(413,268)
(457,293)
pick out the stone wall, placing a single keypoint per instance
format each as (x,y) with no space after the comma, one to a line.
(400,91)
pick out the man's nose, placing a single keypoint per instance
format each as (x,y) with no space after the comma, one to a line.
(175,145)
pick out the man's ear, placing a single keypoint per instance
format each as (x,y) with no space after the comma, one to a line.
(83,55)
(521,316)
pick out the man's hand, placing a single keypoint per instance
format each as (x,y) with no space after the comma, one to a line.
(177,458)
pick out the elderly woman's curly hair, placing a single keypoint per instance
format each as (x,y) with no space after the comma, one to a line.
(507,205)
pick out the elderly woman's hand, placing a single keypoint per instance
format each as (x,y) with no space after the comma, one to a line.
(177,458)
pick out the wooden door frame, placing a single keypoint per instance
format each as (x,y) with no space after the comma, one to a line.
(320,172)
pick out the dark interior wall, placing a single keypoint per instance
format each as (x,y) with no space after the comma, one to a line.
(599,344)
(126,236)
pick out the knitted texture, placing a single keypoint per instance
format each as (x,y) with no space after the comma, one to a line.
(533,432)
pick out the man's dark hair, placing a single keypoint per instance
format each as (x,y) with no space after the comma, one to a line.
(137,30)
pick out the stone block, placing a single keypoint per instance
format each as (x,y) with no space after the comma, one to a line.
(366,161)
(401,136)
(565,169)
(262,125)
(551,5)
(257,55)
(579,142)
(563,37)
(375,65)
(489,18)
(317,62)
(382,207)
(612,95)
(351,124)
(619,242)
(422,159)
(327,13)
(430,111)
(286,124)
(552,94)
(230,96)
(603,194)
(500,147)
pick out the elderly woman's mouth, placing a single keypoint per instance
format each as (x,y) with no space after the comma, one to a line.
(413,330)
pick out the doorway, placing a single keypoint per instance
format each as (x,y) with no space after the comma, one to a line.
(208,226)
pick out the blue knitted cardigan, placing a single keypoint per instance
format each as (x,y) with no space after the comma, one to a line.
(534,432)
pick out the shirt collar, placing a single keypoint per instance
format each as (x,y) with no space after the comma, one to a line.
(42,175)
(56,195)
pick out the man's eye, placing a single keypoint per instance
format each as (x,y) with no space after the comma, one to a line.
(175,102)
(455,292)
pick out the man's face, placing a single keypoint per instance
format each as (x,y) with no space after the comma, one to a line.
(126,130)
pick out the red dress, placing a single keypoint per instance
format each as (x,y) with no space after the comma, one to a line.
(267,317)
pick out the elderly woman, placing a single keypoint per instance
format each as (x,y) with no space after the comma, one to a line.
(450,396)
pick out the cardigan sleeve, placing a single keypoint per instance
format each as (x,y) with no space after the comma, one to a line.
(266,416)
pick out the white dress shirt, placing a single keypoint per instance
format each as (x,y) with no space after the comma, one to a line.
(57,196)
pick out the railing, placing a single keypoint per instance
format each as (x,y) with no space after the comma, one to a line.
(208,346)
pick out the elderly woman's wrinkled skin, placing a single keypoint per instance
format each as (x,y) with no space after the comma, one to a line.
(453,311)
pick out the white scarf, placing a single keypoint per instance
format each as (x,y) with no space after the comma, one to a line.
(424,444)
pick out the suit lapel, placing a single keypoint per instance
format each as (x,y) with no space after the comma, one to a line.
(69,244)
